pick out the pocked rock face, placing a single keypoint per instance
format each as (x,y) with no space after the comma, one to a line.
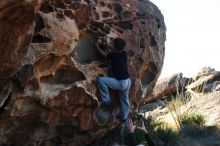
(16,30)
(50,63)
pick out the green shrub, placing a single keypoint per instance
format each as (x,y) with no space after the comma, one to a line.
(192,119)
(174,106)
(158,130)
(151,124)
(166,134)
(193,125)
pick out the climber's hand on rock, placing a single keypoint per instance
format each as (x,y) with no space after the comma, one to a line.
(99,42)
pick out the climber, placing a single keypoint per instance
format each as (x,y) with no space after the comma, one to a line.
(120,77)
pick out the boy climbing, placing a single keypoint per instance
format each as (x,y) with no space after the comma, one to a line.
(120,80)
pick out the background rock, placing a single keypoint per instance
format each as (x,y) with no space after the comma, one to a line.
(207,80)
(167,87)
(47,50)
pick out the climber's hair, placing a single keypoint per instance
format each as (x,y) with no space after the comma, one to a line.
(119,44)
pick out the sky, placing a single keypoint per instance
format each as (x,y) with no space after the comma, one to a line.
(193,35)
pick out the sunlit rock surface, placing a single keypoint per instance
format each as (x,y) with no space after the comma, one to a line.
(167,87)
(49,66)
(206,80)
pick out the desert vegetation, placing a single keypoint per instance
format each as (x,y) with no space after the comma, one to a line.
(190,116)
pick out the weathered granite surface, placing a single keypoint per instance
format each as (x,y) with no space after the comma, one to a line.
(49,66)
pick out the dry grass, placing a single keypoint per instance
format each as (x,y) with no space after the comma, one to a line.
(190,114)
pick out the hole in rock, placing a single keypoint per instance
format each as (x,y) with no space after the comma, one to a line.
(68,1)
(109,6)
(47,79)
(97,17)
(125,25)
(26,73)
(39,23)
(116,17)
(69,14)
(126,15)
(82,26)
(106,29)
(68,131)
(68,74)
(60,16)
(40,39)
(117,8)
(158,23)
(5,103)
(141,15)
(153,42)
(130,53)
(119,17)
(88,1)
(102,3)
(86,51)
(148,75)
(106,14)
(64,75)
(97,25)
(94,28)
(59,4)
(47,8)
(142,44)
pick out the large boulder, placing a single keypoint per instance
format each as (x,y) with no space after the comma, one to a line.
(49,66)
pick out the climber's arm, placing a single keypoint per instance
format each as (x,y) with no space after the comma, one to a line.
(102,52)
